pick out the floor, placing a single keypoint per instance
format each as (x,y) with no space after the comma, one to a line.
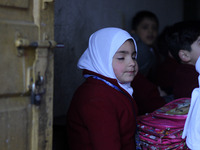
(59,134)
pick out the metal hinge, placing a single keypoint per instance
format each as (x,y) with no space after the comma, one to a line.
(37,90)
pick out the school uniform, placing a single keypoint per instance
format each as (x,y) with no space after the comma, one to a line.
(101,117)
(186,79)
(102,113)
(165,76)
(146,95)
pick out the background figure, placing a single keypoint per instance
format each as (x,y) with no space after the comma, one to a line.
(102,113)
(146,93)
(165,75)
(184,45)
(145,26)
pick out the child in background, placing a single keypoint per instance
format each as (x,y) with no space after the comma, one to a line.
(145,26)
(165,75)
(184,45)
(146,95)
(145,31)
(102,113)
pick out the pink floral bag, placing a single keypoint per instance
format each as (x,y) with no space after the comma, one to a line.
(162,129)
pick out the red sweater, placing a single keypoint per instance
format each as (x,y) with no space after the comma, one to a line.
(166,75)
(186,79)
(101,118)
(146,95)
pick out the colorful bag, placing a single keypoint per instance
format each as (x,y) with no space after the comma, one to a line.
(162,129)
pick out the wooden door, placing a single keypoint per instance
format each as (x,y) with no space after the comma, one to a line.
(26,78)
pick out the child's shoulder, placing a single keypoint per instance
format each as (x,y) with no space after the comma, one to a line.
(97,88)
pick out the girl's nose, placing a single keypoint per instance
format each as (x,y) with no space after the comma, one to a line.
(150,30)
(132,62)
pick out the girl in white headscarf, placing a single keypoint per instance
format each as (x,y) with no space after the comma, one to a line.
(102,114)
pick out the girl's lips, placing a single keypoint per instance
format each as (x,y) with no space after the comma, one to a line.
(131,72)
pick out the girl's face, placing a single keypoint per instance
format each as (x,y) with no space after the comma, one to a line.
(124,63)
(147,30)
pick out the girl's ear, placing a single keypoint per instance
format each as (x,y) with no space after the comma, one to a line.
(184,56)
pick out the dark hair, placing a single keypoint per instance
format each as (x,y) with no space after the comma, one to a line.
(140,16)
(181,36)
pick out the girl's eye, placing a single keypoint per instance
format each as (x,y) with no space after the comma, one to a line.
(198,42)
(154,28)
(120,58)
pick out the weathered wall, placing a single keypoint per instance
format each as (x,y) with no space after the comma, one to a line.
(76,20)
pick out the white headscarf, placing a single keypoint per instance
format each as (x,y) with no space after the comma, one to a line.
(192,124)
(103,44)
